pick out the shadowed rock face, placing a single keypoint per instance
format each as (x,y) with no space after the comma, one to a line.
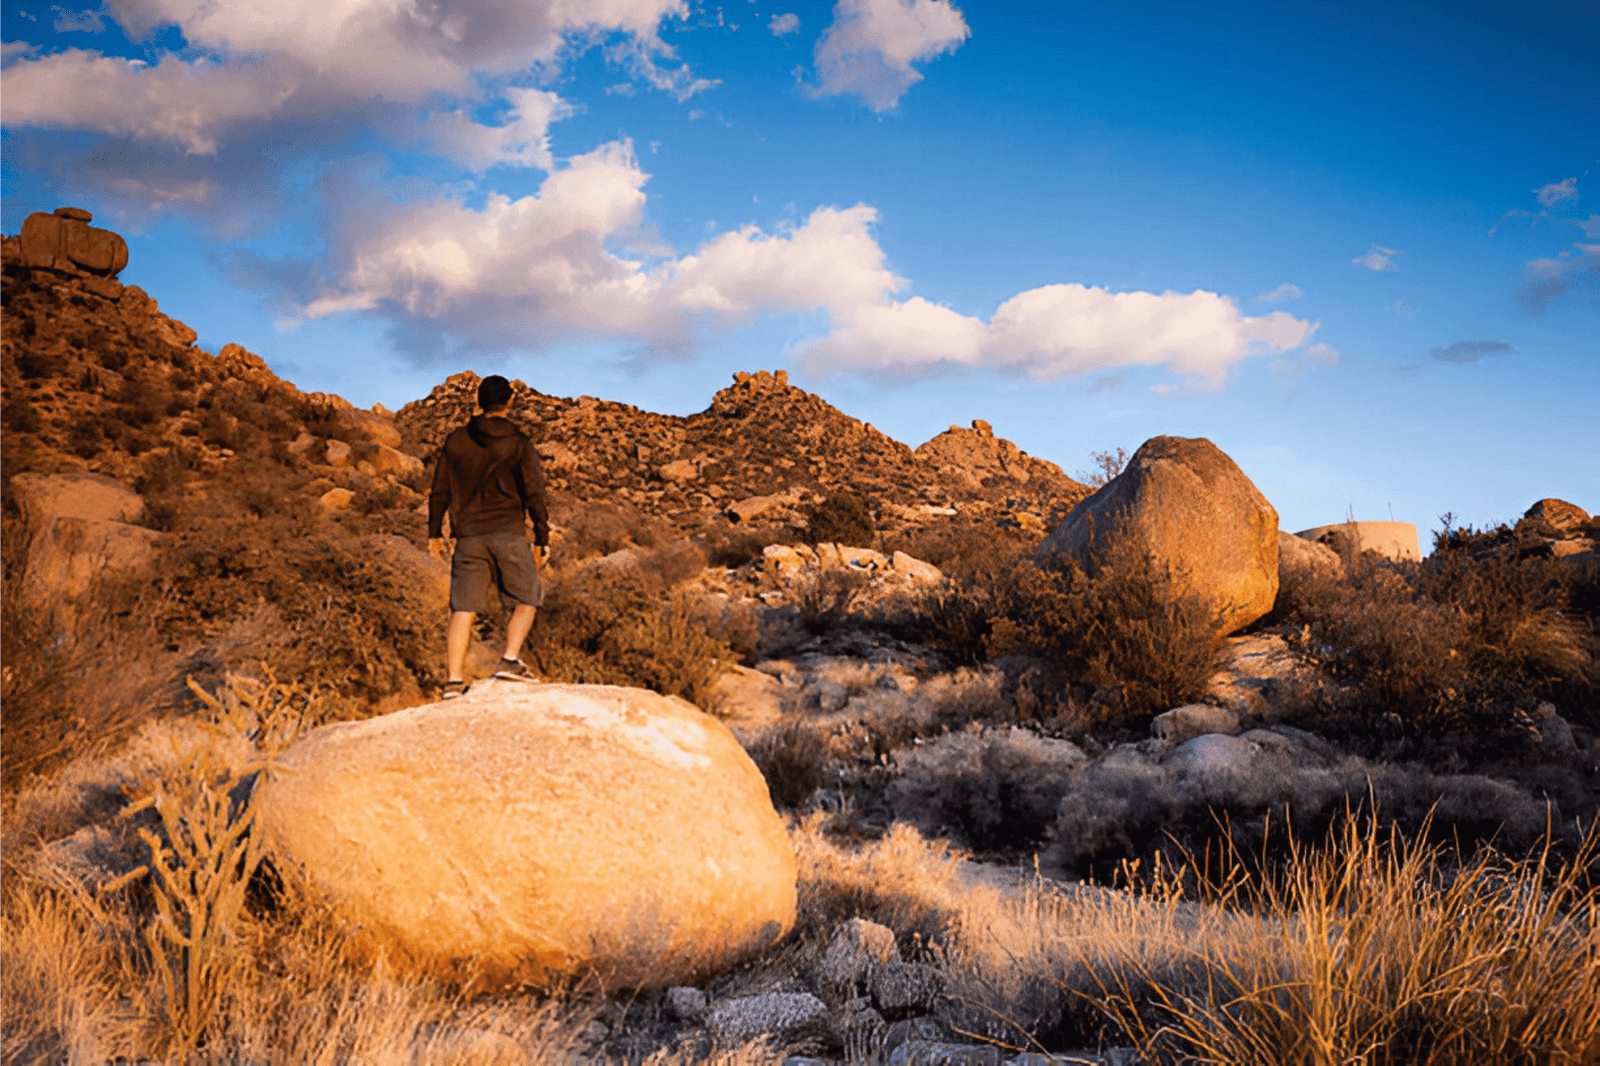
(523,832)
(1186,504)
(66,241)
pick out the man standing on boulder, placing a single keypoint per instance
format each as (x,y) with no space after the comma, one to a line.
(488,478)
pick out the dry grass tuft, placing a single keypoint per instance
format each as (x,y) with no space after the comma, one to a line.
(1376,950)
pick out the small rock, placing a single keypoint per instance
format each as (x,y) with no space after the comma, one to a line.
(927,1030)
(898,987)
(858,946)
(780,557)
(755,506)
(338,453)
(335,500)
(302,444)
(1555,735)
(784,1017)
(686,1004)
(1560,517)
(679,471)
(387,460)
(925,1053)
(1196,719)
(863,558)
(1560,549)
(915,569)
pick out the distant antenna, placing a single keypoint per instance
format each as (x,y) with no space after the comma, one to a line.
(1391,512)
(1350,512)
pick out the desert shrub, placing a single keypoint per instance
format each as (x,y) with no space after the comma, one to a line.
(1376,949)
(1456,644)
(990,791)
(317,603)
(665,651)
(1126,629)
(733,547)
(902,880)
(793,757)
(86,437)
(1117,810)
(965,550)
(21,417)
(841,518)
(827,596)
(617,621)
(603,528)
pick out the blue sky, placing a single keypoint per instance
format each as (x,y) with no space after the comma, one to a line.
(1356,245)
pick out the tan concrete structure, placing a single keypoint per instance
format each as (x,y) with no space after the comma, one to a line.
(1392,540)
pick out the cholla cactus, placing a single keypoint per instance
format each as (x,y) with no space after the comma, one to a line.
(201,862)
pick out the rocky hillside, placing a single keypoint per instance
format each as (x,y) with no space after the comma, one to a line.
(283,527)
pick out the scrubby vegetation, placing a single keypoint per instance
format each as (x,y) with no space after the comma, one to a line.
(1402,869)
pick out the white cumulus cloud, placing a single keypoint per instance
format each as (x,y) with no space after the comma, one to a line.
(870,46)
(522,141)
(298,60)
(529,271)
(1556,191)
(1379,259)
(1058,330)
(784,24)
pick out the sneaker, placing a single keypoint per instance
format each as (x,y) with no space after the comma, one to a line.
(516,670)
(452,689)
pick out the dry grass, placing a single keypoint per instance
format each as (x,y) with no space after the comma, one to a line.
(1377,951)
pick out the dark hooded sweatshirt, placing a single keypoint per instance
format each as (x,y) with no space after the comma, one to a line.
(488,476)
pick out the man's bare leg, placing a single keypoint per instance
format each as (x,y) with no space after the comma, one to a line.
(457,639)
(517,629)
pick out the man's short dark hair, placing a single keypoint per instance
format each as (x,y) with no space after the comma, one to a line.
(493,391)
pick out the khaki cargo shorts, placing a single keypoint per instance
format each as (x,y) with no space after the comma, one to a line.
(506,559)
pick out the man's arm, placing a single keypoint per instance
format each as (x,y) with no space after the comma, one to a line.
(438,501)
(533,498)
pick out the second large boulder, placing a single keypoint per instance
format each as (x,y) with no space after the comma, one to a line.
(525,832)
(1189,507)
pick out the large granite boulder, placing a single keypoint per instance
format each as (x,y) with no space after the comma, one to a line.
(79,529)
(1184,503)
(525,832)
(65,241)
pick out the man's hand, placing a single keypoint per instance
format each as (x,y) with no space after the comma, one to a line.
(439,548)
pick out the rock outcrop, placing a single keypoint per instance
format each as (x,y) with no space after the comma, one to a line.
(79,528)
(523,832)
(759,452)
(66,242)
(1194,512)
